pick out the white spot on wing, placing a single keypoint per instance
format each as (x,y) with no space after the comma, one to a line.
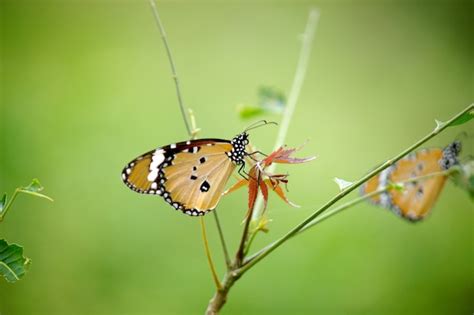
(173,146)
(157,158)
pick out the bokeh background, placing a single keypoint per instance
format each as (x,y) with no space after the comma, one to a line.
(86,87)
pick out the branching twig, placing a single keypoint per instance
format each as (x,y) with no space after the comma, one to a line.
(173,67)
(191,132)
(249,263)
(358,200)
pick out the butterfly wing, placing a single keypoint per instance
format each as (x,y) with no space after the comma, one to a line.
(190,176)
(417,198)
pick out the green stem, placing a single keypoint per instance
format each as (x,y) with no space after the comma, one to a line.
(208,255)
(173,66)
(270,248)
(298,80)
(370,195)
(221,237)
(9,203)
(191,132)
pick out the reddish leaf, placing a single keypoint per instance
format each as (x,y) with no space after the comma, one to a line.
(253,187)
(264,190)
(239,184)
(283,156)
(277,189)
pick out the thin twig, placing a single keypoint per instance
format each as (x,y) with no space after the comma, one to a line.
(173,67)
(191,132)
(307,40)
(249,263)
(365,197)
(208,255)
(221,237)
(9,204)
(220,297)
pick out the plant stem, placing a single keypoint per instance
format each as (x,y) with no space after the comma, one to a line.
(298,80)
(208,255)
(220,297)
(191,132)
(173,66)
(221,237)
(249,263)
(9,203)
(370,195)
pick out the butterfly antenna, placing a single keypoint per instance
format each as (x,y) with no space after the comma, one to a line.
(259,124)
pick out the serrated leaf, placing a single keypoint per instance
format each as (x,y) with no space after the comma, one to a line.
(279,191)
(3,202)
(343,184)
(464,118)
(13,265)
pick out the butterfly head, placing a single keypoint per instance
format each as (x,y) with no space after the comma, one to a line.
(450,155)
(239,142)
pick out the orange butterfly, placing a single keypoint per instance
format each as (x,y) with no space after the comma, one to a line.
(417,198)
(190,176)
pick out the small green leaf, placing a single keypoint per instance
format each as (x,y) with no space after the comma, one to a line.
(3,202)
(33,189)
(249,111)
(13,265)
(397,186)
(343,184)
(463,118)
(439,124)
(271,99)
(35,186)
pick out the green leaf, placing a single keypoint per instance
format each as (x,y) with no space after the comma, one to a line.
(249,111)
(35,186)
(13,265)
(3,202)
(464,118)
(271,99)
(343,184)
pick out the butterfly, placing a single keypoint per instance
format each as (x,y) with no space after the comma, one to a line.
(416,198)
(189,175)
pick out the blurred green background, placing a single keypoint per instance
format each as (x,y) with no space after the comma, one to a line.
(86,87)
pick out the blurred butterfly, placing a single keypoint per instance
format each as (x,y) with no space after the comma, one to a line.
(191,175)
(416,198)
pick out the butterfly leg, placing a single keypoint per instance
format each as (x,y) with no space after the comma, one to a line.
(242,172)
(257,152)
